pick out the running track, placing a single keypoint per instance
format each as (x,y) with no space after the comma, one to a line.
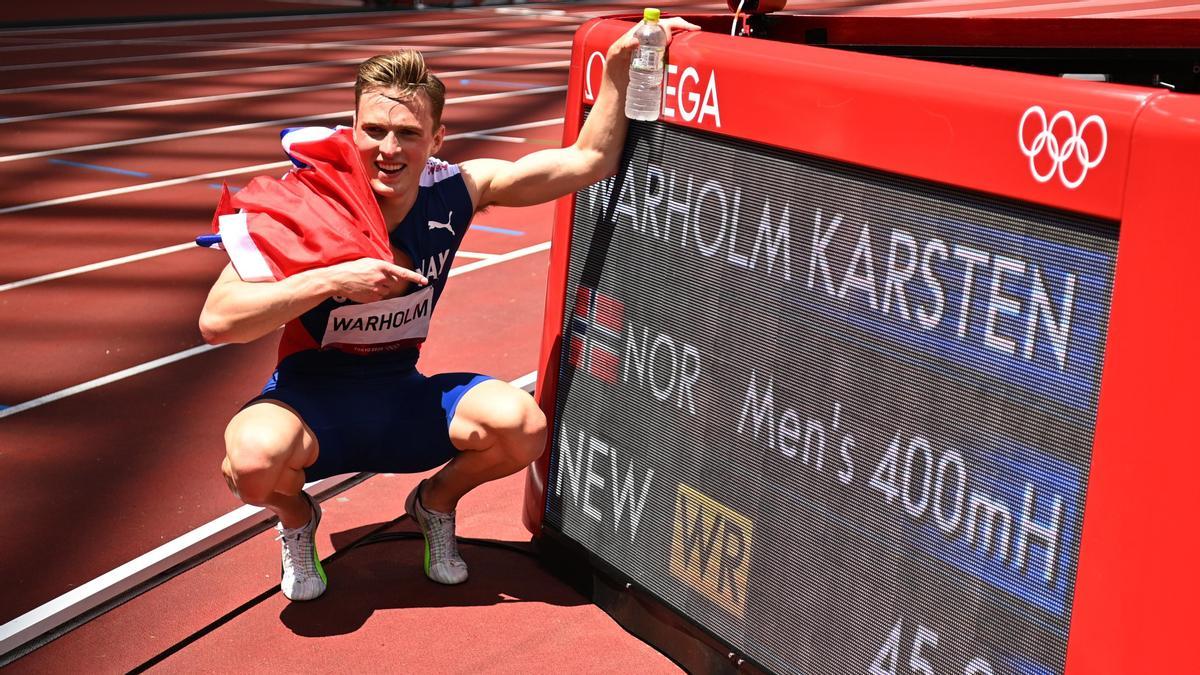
(113,140)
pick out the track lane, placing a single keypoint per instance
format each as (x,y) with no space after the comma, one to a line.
(101,466)
(56,239)
(137,462)
(83,10)
(367,591)
(179,34)
(36,136)
(229,67)
(47,240)
(18,74)
(141,97)
(200,27)
(107,326)
(538,133)
(233,79)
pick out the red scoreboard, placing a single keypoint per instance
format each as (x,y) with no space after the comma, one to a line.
(877,356)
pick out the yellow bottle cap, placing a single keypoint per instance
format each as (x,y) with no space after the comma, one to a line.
(651,14)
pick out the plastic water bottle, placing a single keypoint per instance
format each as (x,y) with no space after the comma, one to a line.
(644,95)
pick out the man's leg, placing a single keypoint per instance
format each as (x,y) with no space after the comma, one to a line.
(267,447)
(498,430)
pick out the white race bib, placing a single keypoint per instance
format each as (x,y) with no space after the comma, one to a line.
(380,323)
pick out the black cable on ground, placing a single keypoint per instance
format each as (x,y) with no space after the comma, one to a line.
(489,543)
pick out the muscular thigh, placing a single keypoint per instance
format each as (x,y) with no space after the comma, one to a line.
(271,432)
(489,407)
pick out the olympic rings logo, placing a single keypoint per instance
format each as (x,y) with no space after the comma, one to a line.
(587,75)
(1046,141)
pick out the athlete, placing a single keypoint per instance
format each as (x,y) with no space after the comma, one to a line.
(346,395)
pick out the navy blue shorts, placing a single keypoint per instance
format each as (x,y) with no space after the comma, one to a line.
(372,416)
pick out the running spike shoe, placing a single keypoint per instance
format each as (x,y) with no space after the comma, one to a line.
(442,562)
(303,576)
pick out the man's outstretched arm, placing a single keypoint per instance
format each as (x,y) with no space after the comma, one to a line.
(549,174)
(240,311)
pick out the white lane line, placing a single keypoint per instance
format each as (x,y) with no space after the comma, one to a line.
(264,93)
(504,139)
(95,28)
(147,568)
(141,570)
(96,266)
(198,38)
(247,169)
(144,186)
(503,257)
(187,353)
(1149,11)
(189,245)
(174,102)
(177,76)
(148,57)
(348,44)
(470,254)
(525,11)
(700,8)
(323,3)
(70,44)
(145,255)
(1027,9)
(171,137)
(533,47)
(527,381)
(251,125)
(107,379)
(400,15)
(905,6)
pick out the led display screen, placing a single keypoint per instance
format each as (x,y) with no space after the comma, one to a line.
(841,419)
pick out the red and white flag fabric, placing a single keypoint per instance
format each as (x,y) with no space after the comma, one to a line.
(320,213)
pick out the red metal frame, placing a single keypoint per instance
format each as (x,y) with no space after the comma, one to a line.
(1136,590)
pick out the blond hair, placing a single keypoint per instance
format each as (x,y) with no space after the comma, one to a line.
(404,70)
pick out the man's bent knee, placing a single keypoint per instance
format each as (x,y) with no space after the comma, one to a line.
(533,435)
(251,470)
(496,414)
(519,425)
(230,476)
(259,449)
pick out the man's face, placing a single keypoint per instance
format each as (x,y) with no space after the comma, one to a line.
(394,137)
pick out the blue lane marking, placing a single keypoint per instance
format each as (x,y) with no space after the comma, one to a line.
(503,83)
(2,406)
(97,167)
(217,186)
(497,230)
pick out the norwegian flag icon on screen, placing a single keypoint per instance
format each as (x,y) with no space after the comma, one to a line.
(596,326)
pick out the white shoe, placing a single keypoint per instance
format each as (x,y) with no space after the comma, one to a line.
(303,576)
(442,562)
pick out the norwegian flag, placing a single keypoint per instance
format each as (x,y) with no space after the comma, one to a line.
(596,326)
(321,213)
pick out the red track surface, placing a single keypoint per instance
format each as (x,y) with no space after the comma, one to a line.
(97,478)
(82,10)
(94,479)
